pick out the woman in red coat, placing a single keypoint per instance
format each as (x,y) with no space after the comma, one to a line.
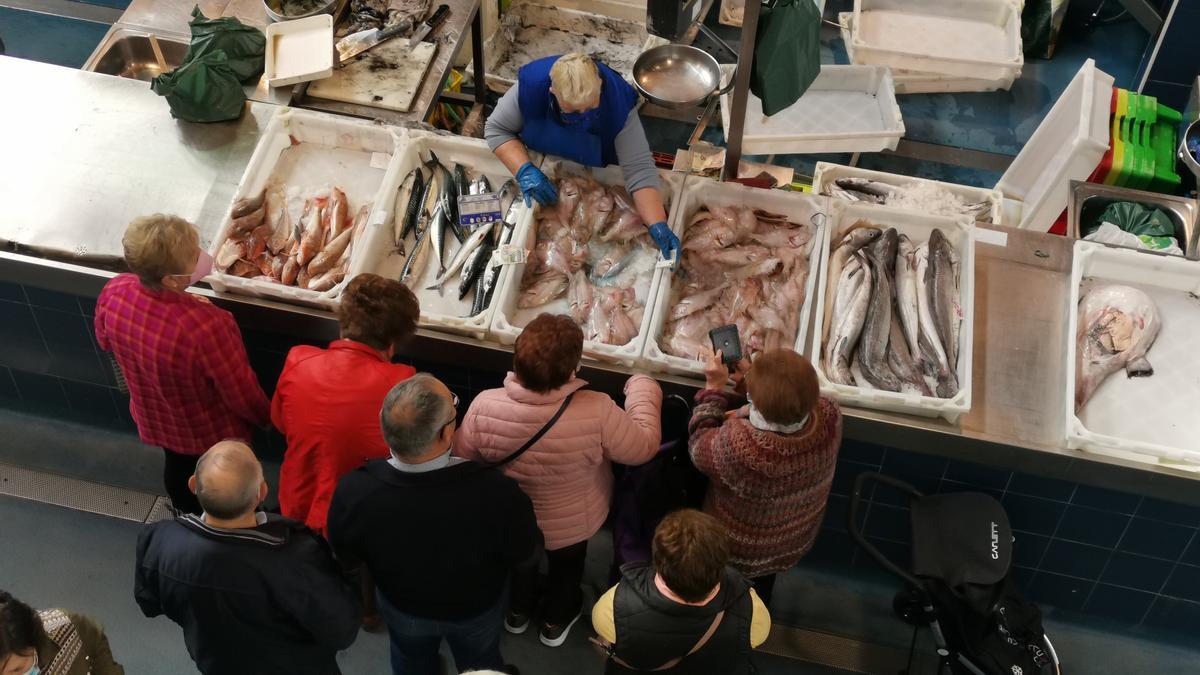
(327,401)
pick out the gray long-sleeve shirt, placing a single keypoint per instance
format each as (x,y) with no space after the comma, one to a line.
(633,150)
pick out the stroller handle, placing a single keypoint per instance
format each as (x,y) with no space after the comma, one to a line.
(860,484)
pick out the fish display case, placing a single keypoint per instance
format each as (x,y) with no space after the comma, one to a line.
(441,307)
(1145,419)
(531,30)
(637,276)
(805,210)
(305,153)
(960,234)
(827,174)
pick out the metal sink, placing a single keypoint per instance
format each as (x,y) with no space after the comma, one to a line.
(136,54)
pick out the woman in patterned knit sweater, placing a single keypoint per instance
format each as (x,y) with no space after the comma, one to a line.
(770,462)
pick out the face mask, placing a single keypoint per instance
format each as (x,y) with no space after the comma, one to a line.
(204,267)
(33,670)
(580,119)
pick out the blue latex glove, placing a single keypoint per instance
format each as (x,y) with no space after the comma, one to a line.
(535,184)
(667,242)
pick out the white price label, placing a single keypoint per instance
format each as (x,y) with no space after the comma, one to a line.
(511,254)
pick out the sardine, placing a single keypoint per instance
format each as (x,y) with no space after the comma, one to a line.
(850,243)
(901,362)
(933,356)
(472,243)
(850,310)
(416,260)
(247,205)
(943,295)
(906,295)
(473,267)
(1117,326)
(872,350)
(408,205)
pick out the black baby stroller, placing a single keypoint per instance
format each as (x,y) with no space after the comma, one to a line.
(959,585)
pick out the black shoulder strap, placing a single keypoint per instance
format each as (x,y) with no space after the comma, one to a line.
(536,437)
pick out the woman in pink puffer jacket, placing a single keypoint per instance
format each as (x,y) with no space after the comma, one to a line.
(567,473)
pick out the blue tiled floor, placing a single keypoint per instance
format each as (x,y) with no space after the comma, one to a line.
(50,39)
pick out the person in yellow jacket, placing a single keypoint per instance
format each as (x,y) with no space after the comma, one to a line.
(688,611)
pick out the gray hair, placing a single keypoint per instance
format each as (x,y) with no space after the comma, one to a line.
(228,478)
(413,415)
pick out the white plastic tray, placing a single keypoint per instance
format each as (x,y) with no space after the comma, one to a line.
(827,172)
(506,325)
(847,109)
(918,227)
(800,208)
(1066,146)
(1148,419)
(978,39)
(440,311)
(531,30)
(917,82)
(322,150)
(299,50)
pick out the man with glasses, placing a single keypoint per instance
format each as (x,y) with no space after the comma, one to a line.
(440,534)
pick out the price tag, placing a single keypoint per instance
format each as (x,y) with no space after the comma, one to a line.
(510,254)
(474,210)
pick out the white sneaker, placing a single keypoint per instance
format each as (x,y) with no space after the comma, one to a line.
(554,636)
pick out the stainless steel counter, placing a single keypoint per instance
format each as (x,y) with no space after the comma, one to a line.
(94,151)
(85,153)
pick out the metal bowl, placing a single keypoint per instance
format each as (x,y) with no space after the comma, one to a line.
(1191,138)
(676,76)
(273,8)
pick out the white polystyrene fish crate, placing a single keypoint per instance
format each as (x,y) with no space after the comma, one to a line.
(1147,419)
(846,109)
(509,320)
(976,39)
(961,234)
(322,150)
(1067,145)
(531,30)
(827,173)
(917,82)
(439,311)
(800,208)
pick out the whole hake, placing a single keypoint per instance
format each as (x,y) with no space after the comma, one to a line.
(850,310)
(872,349)
(849,244)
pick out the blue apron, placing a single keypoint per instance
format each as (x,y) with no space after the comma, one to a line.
(544,130)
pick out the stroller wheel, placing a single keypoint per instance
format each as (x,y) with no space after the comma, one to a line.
(908,605)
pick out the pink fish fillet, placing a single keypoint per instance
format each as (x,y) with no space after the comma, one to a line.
(1117,326)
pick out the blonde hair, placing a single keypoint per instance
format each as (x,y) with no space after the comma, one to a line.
(576,80)
(159,245)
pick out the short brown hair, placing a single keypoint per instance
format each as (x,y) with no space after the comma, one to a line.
(783,386)
(159,245)
(690,551)
(377,312)
(547,352)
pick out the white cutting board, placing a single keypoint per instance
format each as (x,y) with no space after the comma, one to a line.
(388,76)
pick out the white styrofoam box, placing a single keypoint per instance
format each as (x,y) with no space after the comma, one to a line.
(299,50)
(1067,146)
(506,325)
(917,82)
(827,173)
(615,41)
(961,234)
(800,208)
(978,39)
(321,150)
(1149,419)
(439,311)
(847,109)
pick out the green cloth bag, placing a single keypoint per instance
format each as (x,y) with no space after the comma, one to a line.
(204,89)
(246,46)
(787,53)
(1151,225)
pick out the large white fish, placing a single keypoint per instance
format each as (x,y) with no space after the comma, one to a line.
(933,357)
(1117,326)
(849,244)
(849,312)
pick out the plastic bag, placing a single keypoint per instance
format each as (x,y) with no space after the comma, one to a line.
(1108,233)
(246,46)
(787,53)
(205,89)
(1138,219)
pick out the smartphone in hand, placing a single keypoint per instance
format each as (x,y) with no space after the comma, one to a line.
(728,342)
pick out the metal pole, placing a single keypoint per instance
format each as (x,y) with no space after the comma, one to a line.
(741,90)
(477,52)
